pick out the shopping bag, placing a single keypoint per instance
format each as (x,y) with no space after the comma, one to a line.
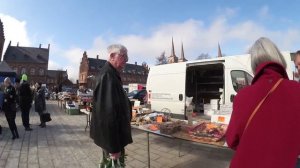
(46,117)
(110,163)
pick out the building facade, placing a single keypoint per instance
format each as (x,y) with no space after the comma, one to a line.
(57,79)
(2,39)
(90,67)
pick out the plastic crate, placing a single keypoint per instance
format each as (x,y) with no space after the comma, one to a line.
(73,111)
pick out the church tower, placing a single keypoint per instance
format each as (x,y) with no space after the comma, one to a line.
(182,58)
(172,58)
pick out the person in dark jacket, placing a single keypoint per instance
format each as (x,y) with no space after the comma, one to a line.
(25,100)
(271,139)
(40,102)
(111,114)
(9,107)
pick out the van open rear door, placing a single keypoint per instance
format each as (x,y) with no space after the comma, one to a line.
(166,88)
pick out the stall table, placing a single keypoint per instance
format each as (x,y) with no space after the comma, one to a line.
(88,118)
(178,136)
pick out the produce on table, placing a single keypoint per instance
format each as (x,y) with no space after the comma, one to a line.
(209,130)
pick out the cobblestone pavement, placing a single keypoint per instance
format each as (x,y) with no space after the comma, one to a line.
(65,144)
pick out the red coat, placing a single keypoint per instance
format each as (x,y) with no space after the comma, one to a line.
(272,139)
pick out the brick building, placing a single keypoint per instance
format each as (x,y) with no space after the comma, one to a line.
(34,62)
(89,68)
(29,60)
(2,39)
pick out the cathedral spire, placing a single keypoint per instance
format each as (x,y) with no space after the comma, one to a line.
(219,51)
(182,58)
(173,50)
(172,58)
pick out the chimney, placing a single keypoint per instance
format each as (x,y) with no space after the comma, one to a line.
(48,46)
(9,43)
(18,44)
(97,57)
(135,63)
(40,46)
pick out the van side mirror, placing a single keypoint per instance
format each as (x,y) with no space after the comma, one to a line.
(180,97)
(232,97)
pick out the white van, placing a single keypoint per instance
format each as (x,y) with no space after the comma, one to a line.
(205,80)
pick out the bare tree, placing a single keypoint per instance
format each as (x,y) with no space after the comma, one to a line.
(203,56)
(162,59)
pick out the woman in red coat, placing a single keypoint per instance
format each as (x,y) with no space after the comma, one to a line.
(272,138)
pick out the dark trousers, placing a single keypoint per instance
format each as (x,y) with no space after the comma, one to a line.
(11,123)
(25,117)
(298,163)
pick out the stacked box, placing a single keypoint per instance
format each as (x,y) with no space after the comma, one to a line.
(72,109)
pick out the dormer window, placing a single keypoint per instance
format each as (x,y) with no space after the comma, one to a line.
(23,70)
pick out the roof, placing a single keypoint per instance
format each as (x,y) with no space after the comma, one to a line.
(95,63)
(6,70)
(54,73)
(26,54)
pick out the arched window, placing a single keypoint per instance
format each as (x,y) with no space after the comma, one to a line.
(41,72)
(23,70)
(32,71)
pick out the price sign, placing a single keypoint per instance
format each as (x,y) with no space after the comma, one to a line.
(221,119)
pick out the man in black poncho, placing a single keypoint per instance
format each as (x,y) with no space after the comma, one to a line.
(111,115)
(25,101)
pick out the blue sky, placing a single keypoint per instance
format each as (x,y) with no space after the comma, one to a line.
(147,26)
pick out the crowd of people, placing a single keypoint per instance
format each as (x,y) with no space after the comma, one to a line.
(20,96)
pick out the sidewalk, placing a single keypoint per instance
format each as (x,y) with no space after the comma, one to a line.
(65,144)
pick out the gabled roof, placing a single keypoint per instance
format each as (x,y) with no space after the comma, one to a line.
(26,54)
(96,64)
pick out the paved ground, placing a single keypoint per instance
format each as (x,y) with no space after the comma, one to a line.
(65,144)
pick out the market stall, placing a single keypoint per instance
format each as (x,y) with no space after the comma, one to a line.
(200,131)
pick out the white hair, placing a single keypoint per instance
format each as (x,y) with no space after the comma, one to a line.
(7,79)
(264,50)
(116,48)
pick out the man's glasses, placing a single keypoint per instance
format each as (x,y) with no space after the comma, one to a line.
(124,56)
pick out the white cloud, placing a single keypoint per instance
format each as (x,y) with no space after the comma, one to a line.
(15,31)
(197,37)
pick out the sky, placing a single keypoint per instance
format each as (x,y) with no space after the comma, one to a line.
(146,27)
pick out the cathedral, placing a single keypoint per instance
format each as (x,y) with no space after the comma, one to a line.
(173,58)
